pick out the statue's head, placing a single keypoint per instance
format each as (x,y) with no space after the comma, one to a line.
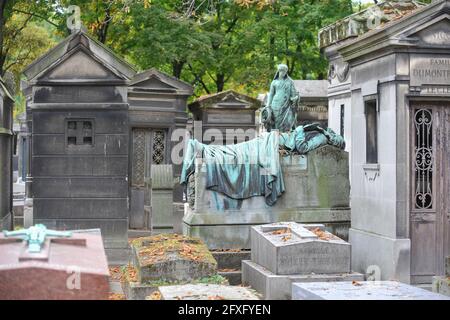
(282,71)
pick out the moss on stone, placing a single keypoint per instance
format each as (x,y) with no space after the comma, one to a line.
(159,248)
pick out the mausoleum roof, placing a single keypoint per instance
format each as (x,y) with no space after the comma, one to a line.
(372,18)
(161,82)
(79,39)
(5,89)
(410,30)
(226,99)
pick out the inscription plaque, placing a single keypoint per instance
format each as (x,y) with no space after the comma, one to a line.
(429,70)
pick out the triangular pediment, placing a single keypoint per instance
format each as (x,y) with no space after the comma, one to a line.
(155,80)
(80,65)
(155,83)
(229,99)
(435,32)
(81,56)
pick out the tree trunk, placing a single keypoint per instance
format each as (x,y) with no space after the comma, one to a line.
(177,68)
(2,31)
(220,82)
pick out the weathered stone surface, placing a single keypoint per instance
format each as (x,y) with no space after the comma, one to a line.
(171,257)
(365,290)
(77,115)
(207,292)
(66,268)
(290,248)
(441,285)
(279,287)
(317,191)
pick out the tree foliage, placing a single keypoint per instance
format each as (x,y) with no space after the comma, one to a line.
(213,44)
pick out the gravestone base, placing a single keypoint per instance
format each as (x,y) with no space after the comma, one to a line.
(231,229)
(366,290)
(441,285)
(279,287)
(137,290)
(207,292)
(393,256)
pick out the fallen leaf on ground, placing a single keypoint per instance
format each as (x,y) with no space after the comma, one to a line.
(116,296)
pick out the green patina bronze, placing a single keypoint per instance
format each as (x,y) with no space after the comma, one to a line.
(252,168)
(36,235)
(280,112)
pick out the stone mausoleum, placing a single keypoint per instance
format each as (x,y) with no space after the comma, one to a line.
(390,88)
(78,108)
(6,147)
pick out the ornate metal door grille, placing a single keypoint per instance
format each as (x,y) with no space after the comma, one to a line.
(159,147)
(424,159)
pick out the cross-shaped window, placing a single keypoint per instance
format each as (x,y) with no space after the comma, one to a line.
(80,132)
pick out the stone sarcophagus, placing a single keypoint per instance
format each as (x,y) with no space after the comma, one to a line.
(316,191)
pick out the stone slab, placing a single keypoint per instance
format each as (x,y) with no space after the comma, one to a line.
(279,287)
(207,292)
(290,248)
(441,285)
(65,269)
(171,257)
(365,290)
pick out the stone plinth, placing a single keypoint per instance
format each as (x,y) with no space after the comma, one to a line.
(287,252)
(207,292)
(279,287)
(290,248)
(317,191)
(65,269)
(365,290)
(167,259)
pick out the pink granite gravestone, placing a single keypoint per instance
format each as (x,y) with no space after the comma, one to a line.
(64,269)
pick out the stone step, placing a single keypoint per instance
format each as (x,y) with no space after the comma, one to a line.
(230,259)
(234,277)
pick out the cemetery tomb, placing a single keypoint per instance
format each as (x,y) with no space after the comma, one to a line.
(389,91)
(227,117)
(157,112)
(6,152)
(363,290)
(78,105)
(65,266)
(316,191)
(290,248)
(167,259)
(287,252)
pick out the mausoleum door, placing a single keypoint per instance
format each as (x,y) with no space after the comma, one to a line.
(148,148)
(430,205)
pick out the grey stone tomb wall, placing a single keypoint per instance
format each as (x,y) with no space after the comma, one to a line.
(6,141)
(79,159)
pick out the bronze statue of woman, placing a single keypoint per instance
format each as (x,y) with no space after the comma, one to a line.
(281,110)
